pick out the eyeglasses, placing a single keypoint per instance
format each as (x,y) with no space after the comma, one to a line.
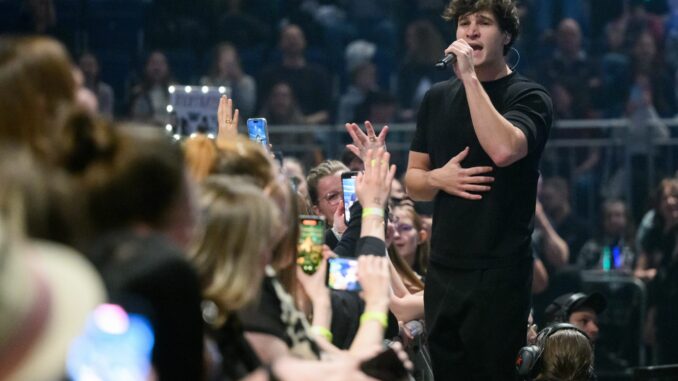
(332,198)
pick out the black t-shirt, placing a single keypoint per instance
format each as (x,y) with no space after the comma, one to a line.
(239,359)
(495,231)
(275,314)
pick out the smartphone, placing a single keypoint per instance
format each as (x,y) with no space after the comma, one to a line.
(257,129)
(342,274)
(385,366)
(114,345)
(310,245)
(348,189)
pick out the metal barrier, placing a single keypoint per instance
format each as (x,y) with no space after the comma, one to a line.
(628,162)
(621,325)
(656,373)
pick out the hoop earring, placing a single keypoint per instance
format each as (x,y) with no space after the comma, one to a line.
(512,67)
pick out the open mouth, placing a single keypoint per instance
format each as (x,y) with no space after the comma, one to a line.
(476,47)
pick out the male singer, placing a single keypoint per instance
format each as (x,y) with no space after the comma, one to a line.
(487,119)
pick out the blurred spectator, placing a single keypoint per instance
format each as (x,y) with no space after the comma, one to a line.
(294,170)
(281,107)
(656,235)
(37,16)
(177,24)
(363,81)
(243,29)
(615,67)
(226,71)
(38,282)
(141,217)
(650,98)
(36,86)
(555,199)
(549,12)
(651,77)
(150,97)
(424,46)
(84,97)
(569,67)
(379,107)
(614,245)
(310,83)
(89,64)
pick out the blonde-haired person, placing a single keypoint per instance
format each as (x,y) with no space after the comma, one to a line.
(240,221)
(567,355)
(231,251)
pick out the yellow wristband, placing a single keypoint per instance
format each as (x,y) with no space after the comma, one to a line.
(322,331)
(373,212)
(380,317)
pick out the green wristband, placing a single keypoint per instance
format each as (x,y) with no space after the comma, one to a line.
(322,331)
(378,212)
(380,317)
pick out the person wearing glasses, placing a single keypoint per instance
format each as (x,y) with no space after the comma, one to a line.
(324,191)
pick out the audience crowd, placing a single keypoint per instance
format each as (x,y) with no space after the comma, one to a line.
(198,237)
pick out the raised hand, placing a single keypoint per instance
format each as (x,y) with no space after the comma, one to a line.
(375,280)
(227,120)
(374,185)
(458,181)
(363,142)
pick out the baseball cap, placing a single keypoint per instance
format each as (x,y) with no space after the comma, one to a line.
(566,304)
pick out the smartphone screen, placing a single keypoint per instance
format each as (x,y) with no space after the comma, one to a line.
(310,245)
(258,131)
(113,344)
(342,274)
(350,197)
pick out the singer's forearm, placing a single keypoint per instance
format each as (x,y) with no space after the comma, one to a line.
(418,177)
(503,142)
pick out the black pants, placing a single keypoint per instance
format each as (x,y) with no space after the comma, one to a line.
(476,320)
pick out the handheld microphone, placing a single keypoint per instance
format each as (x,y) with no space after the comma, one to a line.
(449,59)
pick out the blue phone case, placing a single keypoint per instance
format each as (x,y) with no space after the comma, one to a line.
(257,131)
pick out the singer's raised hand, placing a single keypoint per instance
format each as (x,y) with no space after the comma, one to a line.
(363,142)
(458,181)
(463,51)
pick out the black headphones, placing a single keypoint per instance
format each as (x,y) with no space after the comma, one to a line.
(528,360)
(563,314)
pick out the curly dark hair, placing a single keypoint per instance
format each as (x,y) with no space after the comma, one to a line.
(505,11)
